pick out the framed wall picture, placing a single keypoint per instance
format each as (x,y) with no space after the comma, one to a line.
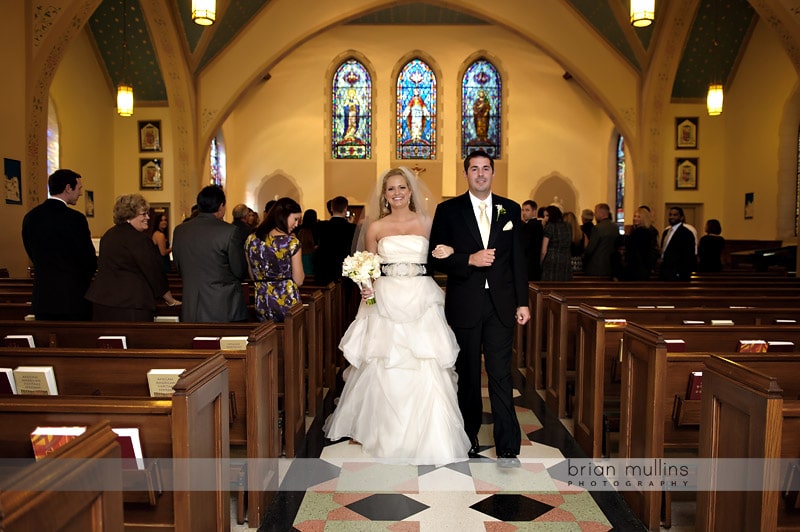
(12,169)
(686,174)
(686,133)
(749,205)
(151,174)
(150,135)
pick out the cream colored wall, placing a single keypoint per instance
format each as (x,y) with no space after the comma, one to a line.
(12,137)
(550,126)
(754,109)
(737,150)
(85,108)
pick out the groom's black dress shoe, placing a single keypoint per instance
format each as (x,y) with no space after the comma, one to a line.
(507,459)
(474,449)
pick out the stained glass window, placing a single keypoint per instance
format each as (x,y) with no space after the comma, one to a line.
(53,143)
(480,109)
(416,111)
(351,136)
(217,162)
(620,182)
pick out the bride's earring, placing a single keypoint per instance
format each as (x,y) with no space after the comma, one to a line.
(386,203)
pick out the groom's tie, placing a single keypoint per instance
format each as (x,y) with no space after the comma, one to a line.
(483,224)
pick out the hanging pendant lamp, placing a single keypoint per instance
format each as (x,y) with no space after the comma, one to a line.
(714,99)
(204,12)
(124,88)
(643,12)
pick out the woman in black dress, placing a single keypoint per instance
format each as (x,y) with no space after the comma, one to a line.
(556,263)
(709,249)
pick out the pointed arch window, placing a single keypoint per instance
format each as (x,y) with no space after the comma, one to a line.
(620,183)
(351,120)
(53,139)
(481,93)
(217,163)
(416,111)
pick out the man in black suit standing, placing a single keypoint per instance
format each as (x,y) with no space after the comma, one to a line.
(532,236)
(335,242)
(678,259)
(58,242)
(486,298)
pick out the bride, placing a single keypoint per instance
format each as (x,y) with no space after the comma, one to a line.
(399,398)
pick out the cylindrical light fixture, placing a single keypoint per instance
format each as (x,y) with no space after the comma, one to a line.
(124,99)
(643,12)
(714,99)
(204,12)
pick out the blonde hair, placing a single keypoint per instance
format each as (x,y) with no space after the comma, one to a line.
(574,227)
(645,217)
(128,207)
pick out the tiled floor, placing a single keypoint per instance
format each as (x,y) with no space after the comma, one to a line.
(338,488)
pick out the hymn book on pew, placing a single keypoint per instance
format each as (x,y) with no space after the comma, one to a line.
(752,346)
(35,380)
(205,342)
(18,340)
(7,384)
(780,346)
(167,319)
(112,342)
(694,391)
(233,343)
(675,345)
(161,381)
(45,440)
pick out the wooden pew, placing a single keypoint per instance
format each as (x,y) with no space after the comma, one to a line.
(561,321)
(332,304)
(748,414)
(651,378)
(292,345)
(598,357)
(253,374)
(192,424)
(315,320)
(43,495)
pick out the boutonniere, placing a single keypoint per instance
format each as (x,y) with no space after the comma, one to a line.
(500,211)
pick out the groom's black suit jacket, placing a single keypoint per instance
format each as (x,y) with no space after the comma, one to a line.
(454,224)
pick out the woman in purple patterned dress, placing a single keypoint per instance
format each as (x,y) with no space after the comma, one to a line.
(275,261)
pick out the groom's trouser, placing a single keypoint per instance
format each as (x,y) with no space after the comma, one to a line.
(494,340)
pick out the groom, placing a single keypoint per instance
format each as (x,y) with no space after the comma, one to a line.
(486,297)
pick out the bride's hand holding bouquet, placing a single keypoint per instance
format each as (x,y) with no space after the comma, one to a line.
(362,267)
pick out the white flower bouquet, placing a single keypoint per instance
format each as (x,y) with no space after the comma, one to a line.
(362,267)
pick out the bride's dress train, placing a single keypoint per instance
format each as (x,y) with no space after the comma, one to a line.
(399,399)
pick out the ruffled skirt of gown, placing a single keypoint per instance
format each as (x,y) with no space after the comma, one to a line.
(399,399)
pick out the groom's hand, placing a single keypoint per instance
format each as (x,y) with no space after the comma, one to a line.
(482,258)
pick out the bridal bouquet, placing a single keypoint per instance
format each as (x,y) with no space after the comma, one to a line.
(362,267)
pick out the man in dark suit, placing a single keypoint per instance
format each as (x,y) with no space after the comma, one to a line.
(678,259)
(602,243)
(532,236)
(486,298)
(58,242)
(335,242)
(209,255)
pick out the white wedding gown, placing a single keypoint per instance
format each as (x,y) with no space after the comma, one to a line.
(399,399)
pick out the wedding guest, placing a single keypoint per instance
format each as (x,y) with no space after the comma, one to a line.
(399,398)
(307,235)
(641,250)
(709,250)
(130,277)
(275,261)
(556,242)
(532,232)
(58,242)
(161,240)
(576,246)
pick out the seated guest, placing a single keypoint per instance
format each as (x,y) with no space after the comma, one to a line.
(275,261)
(129,275)
(709,250)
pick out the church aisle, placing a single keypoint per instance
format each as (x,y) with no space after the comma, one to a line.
(345,490)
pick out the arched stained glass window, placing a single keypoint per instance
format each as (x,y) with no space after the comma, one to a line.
(480,109)
(416,111)
(217,162)
(620,182)
(53,141)
(351,119)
